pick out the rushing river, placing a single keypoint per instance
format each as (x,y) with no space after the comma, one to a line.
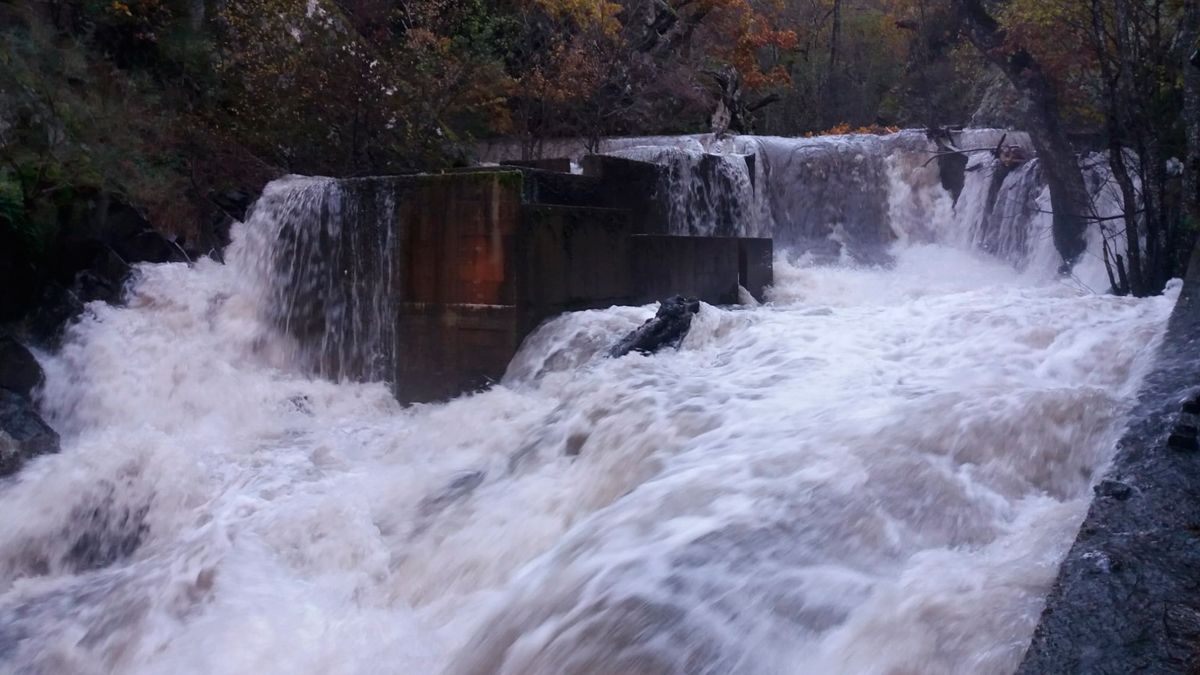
(878,471)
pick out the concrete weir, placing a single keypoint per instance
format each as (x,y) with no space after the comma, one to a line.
(1127,597)
(478,258)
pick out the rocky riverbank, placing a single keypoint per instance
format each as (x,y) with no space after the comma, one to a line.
(1126,599)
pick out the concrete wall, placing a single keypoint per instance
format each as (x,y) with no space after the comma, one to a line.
(484,256)
(458,233)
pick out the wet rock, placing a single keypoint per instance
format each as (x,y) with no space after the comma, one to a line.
(575,443)
(90,286)
(458,489)
(104,532)
(88,271)
(952,171)
(1114,489)
(149,246)
(232,207)
(1183,436)
(23,434)
(1192,406)
(19,371)
(667,329)
(112,220)
(95,271)
(59,306)
(234,203)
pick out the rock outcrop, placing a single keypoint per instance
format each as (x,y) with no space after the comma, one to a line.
(23,433)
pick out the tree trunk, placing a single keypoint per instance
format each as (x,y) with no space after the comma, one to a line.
(1116,159)
(832,81)
(1188,39)
(1069,199)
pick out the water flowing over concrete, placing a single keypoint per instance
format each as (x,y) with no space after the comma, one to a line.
(876,471)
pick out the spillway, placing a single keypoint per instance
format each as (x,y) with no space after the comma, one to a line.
(876,471)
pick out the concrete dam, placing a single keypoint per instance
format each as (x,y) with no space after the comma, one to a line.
(392,433)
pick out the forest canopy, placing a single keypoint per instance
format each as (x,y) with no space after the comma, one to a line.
(165,102)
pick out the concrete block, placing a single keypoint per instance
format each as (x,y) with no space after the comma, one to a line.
(706,268)
(571,258)
(756,257)
(460,232)
(632,185)
(445,350)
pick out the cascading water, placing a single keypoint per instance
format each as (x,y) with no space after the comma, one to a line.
(707,194)
(322,255)
(876,472)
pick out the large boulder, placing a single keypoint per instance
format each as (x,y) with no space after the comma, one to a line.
(234,203)
(667,329)
(23,434)
(150,247)
(59,306)
(19,371)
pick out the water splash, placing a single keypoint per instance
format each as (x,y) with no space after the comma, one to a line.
(835,482)
(322,256)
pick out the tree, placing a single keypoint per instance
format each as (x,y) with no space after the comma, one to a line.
(1069,198)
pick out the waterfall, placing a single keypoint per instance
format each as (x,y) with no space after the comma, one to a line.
(852,198)
(707,194)
(321,254)
(876,471)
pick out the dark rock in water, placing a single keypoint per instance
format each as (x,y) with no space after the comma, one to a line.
(23,434)
(667,329)
(74,256)
(235,203)
(88,271)
(1183,438)
(93,270)
(91,286)
(19,371)
(232,207)
(1114,489)
(218,236)
(457,489)
(117,220)
(1192,406)
(150,246)
(952,170)
(59,307)
(104,530)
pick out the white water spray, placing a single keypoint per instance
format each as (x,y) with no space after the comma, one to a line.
(876,472)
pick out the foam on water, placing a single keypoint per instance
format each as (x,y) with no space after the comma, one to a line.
(875,472)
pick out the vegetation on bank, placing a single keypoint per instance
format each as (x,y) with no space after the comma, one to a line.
(164,104)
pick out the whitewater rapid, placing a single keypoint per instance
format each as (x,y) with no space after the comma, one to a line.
(876,472)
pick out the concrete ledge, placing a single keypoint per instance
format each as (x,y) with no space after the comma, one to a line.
(1127,597)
